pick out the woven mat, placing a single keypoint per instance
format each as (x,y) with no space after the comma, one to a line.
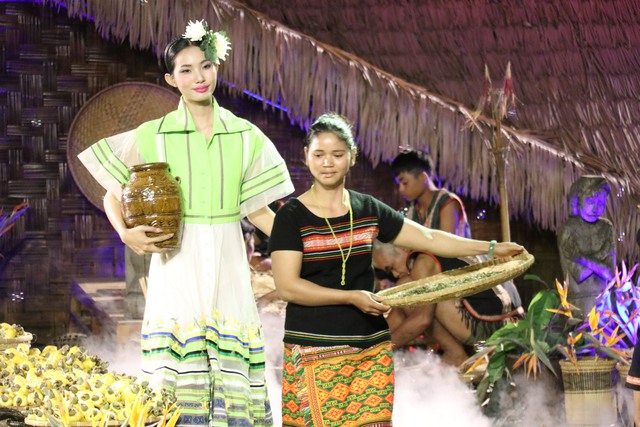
(457,283)
(114,110)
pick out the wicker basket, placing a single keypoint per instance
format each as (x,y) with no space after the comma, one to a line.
(70,339)
(623,368)
(6,343)
(457,283)
(623,371)
(114,110)
(589,391)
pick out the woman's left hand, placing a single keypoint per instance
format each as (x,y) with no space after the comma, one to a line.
(369,303)
(504,249)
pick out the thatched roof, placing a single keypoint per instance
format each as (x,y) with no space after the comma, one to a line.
(410,72)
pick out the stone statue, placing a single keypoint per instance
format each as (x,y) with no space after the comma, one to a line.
(586,242)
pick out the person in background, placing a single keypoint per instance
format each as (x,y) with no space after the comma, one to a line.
(248,234)
(338,355)
(261,239)
(433,207)
(454,323)
(261,256)
(201,333)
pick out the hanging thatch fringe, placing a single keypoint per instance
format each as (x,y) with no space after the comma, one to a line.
(308,77)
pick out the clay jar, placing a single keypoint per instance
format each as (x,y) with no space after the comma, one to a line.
(153,197)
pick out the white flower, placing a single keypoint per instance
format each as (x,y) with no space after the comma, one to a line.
(195,31)
(222,46)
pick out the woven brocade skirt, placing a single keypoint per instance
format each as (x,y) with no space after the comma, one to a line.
(337,386)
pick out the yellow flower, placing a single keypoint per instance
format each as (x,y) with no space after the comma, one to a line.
(563,312)
(571,340)
(594,319)
(613,339)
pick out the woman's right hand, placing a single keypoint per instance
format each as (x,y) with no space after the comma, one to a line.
(504,249)
(136,238)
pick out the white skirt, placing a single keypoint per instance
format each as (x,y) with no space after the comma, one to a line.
(201,334)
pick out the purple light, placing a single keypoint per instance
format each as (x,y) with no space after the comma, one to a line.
(261,99)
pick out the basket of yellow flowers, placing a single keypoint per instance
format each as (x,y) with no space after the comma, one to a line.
(12,335)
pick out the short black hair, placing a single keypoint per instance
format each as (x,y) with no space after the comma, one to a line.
(412,161)
(173,48)
(334,123)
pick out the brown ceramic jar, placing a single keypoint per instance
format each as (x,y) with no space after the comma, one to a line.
(153,197)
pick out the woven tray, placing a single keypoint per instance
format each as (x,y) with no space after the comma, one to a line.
(6,343)
(118,108)
(457,283)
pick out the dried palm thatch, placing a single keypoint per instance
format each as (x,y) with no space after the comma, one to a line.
(308,76)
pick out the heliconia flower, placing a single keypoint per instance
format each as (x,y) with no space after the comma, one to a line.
(475,364)
(573,357)
(522,359)
(562,293)
(571,340)
(612,339)
(195,31)
(594,319)
(562,312)
(532,365)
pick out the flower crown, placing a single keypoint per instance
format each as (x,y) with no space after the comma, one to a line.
(216,46)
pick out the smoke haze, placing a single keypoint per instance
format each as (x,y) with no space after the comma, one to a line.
(428,393)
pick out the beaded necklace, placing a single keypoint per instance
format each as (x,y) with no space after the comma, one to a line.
(345,201)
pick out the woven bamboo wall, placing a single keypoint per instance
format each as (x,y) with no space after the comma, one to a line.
(50,66)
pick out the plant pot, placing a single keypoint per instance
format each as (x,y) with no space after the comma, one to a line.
(589,391)
(623,371)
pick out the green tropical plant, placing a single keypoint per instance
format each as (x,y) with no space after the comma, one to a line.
(551,329)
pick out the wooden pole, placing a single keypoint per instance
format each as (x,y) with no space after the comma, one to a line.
(500,156)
